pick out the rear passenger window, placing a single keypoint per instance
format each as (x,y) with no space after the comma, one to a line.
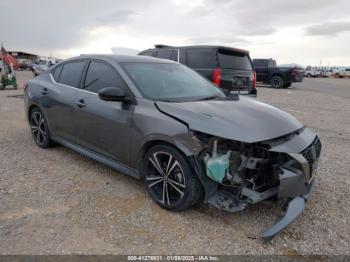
(71,73)
(101,75)
(56,73)
(271,64)
(234,60)
(200,58)
(164,53)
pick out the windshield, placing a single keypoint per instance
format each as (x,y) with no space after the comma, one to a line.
(42,62)
(170,82)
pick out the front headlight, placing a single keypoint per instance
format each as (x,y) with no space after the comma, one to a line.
(303,163)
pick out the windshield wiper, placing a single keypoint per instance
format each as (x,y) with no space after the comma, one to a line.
(208,98)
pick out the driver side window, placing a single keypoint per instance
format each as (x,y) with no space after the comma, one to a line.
(100,75)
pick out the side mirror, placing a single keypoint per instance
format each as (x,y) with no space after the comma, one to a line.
(113,94)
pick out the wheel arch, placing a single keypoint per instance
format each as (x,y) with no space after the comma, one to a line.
(185,146)
(151,143)
(278,74)
(30,108)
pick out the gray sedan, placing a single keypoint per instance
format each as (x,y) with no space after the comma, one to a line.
(160,121)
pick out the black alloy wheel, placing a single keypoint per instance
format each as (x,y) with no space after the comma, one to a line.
(169,179)
(39,128)
(277,82)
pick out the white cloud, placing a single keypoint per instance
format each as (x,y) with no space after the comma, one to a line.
(328,28)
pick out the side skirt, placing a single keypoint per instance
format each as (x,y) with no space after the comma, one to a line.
(99,158)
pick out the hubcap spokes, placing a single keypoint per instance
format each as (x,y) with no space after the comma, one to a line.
(165,178)
(276,82)
(38,127)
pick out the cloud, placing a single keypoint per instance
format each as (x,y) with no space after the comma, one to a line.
(254,18)
(124,51)
(116,17)
(328,28)
(256,31)
(56,25)
(218,40)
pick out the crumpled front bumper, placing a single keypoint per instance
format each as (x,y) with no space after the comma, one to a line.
(295,208)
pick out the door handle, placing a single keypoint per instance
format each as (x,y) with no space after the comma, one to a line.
(44,91)
(80,103)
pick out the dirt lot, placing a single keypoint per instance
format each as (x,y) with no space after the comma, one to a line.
(58,202)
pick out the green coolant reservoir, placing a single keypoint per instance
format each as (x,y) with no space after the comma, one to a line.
(217,166)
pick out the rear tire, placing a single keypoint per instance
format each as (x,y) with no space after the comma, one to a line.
(39,128)
(169,179)
(277,82)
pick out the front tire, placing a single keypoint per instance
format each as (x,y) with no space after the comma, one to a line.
(39,128)
(169,179)
(277,82)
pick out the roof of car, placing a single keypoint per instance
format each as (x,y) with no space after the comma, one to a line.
(120,58)
(202,46)
(125,58)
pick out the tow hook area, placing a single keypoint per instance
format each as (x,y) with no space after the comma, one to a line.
(295,208)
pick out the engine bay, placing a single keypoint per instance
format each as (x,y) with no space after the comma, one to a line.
(247,173)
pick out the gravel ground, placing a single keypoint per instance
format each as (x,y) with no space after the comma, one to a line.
(58,202)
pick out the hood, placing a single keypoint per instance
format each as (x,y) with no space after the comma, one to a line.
(245,120)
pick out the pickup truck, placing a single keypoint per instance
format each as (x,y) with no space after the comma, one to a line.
(268,72)
(312,72)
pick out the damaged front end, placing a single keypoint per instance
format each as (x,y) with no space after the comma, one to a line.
(236,174)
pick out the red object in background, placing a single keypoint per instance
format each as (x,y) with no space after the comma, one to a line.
(9,59)
(216,76)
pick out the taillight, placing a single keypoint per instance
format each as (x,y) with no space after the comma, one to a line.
(216,76)
(254,80)
(293,72)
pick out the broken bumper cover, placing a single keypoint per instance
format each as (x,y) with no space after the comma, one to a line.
(295,208)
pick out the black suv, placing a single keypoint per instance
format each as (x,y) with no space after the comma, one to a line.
(229,68)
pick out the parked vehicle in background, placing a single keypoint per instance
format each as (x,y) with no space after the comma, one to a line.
(32,65)
(324,73)
(328,72)
(43,65)
(268,72)
(312,72)
(227,67)
(23,64)
(344,73)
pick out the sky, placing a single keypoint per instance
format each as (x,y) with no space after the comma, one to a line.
(306,32)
